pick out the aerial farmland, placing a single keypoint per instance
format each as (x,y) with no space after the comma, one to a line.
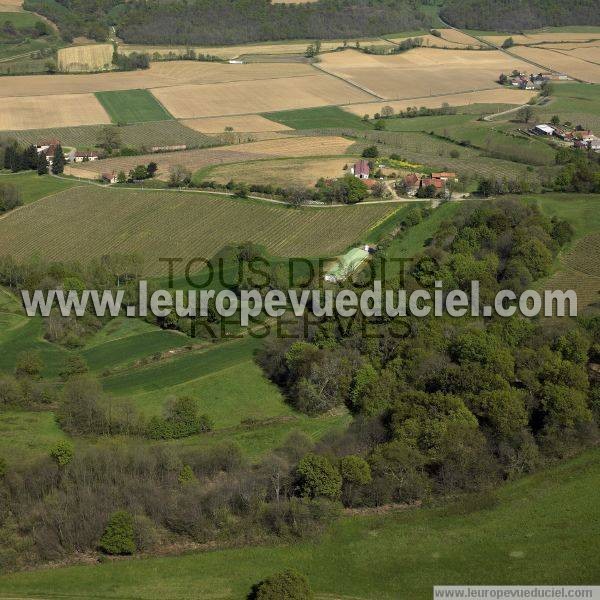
(181,162)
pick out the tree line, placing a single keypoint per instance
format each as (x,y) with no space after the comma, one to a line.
(229,21)
(16,158)
(516,15)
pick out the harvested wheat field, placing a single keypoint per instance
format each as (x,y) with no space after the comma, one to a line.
(189,101)
(422,71)
(500,95)
(458,37)
(82,59)
(298,146)
(88,222)
(243,123)
(588,54)
(158,75)
(561,62)
(67,110)
(282,172)
(197,159)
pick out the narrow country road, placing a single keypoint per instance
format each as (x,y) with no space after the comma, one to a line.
(84,182)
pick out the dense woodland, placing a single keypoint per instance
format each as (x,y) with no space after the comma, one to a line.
(516,15)
(230,21)
(441,407)
(240,21)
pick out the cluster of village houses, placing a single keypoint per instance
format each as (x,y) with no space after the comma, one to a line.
(577,138)
(534,81)
(49,149)
(412,181)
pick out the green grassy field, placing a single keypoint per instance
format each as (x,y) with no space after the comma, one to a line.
(581,210)
(426,123)
(22,334)
(578,103)
(33,186)
(122,352)
(483,109)
(132,106)
(540,532)
(255,439)
(318,118)
(187,367)
(20,19)
(26,435)
(87,222)
(228,387)
(140,135)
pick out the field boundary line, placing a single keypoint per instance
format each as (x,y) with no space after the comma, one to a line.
(472,91)
(348,82)
(162,106)
(563,53)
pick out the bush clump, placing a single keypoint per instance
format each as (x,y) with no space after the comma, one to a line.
(287,585)
(119,536)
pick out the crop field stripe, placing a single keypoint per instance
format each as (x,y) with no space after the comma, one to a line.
(116,352)
(133,106)
(317,118)
(182,369)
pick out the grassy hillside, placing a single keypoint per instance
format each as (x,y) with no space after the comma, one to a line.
(25,435)
(123,351)
(23,334)
(33,186)
(399,554)
(575,102)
